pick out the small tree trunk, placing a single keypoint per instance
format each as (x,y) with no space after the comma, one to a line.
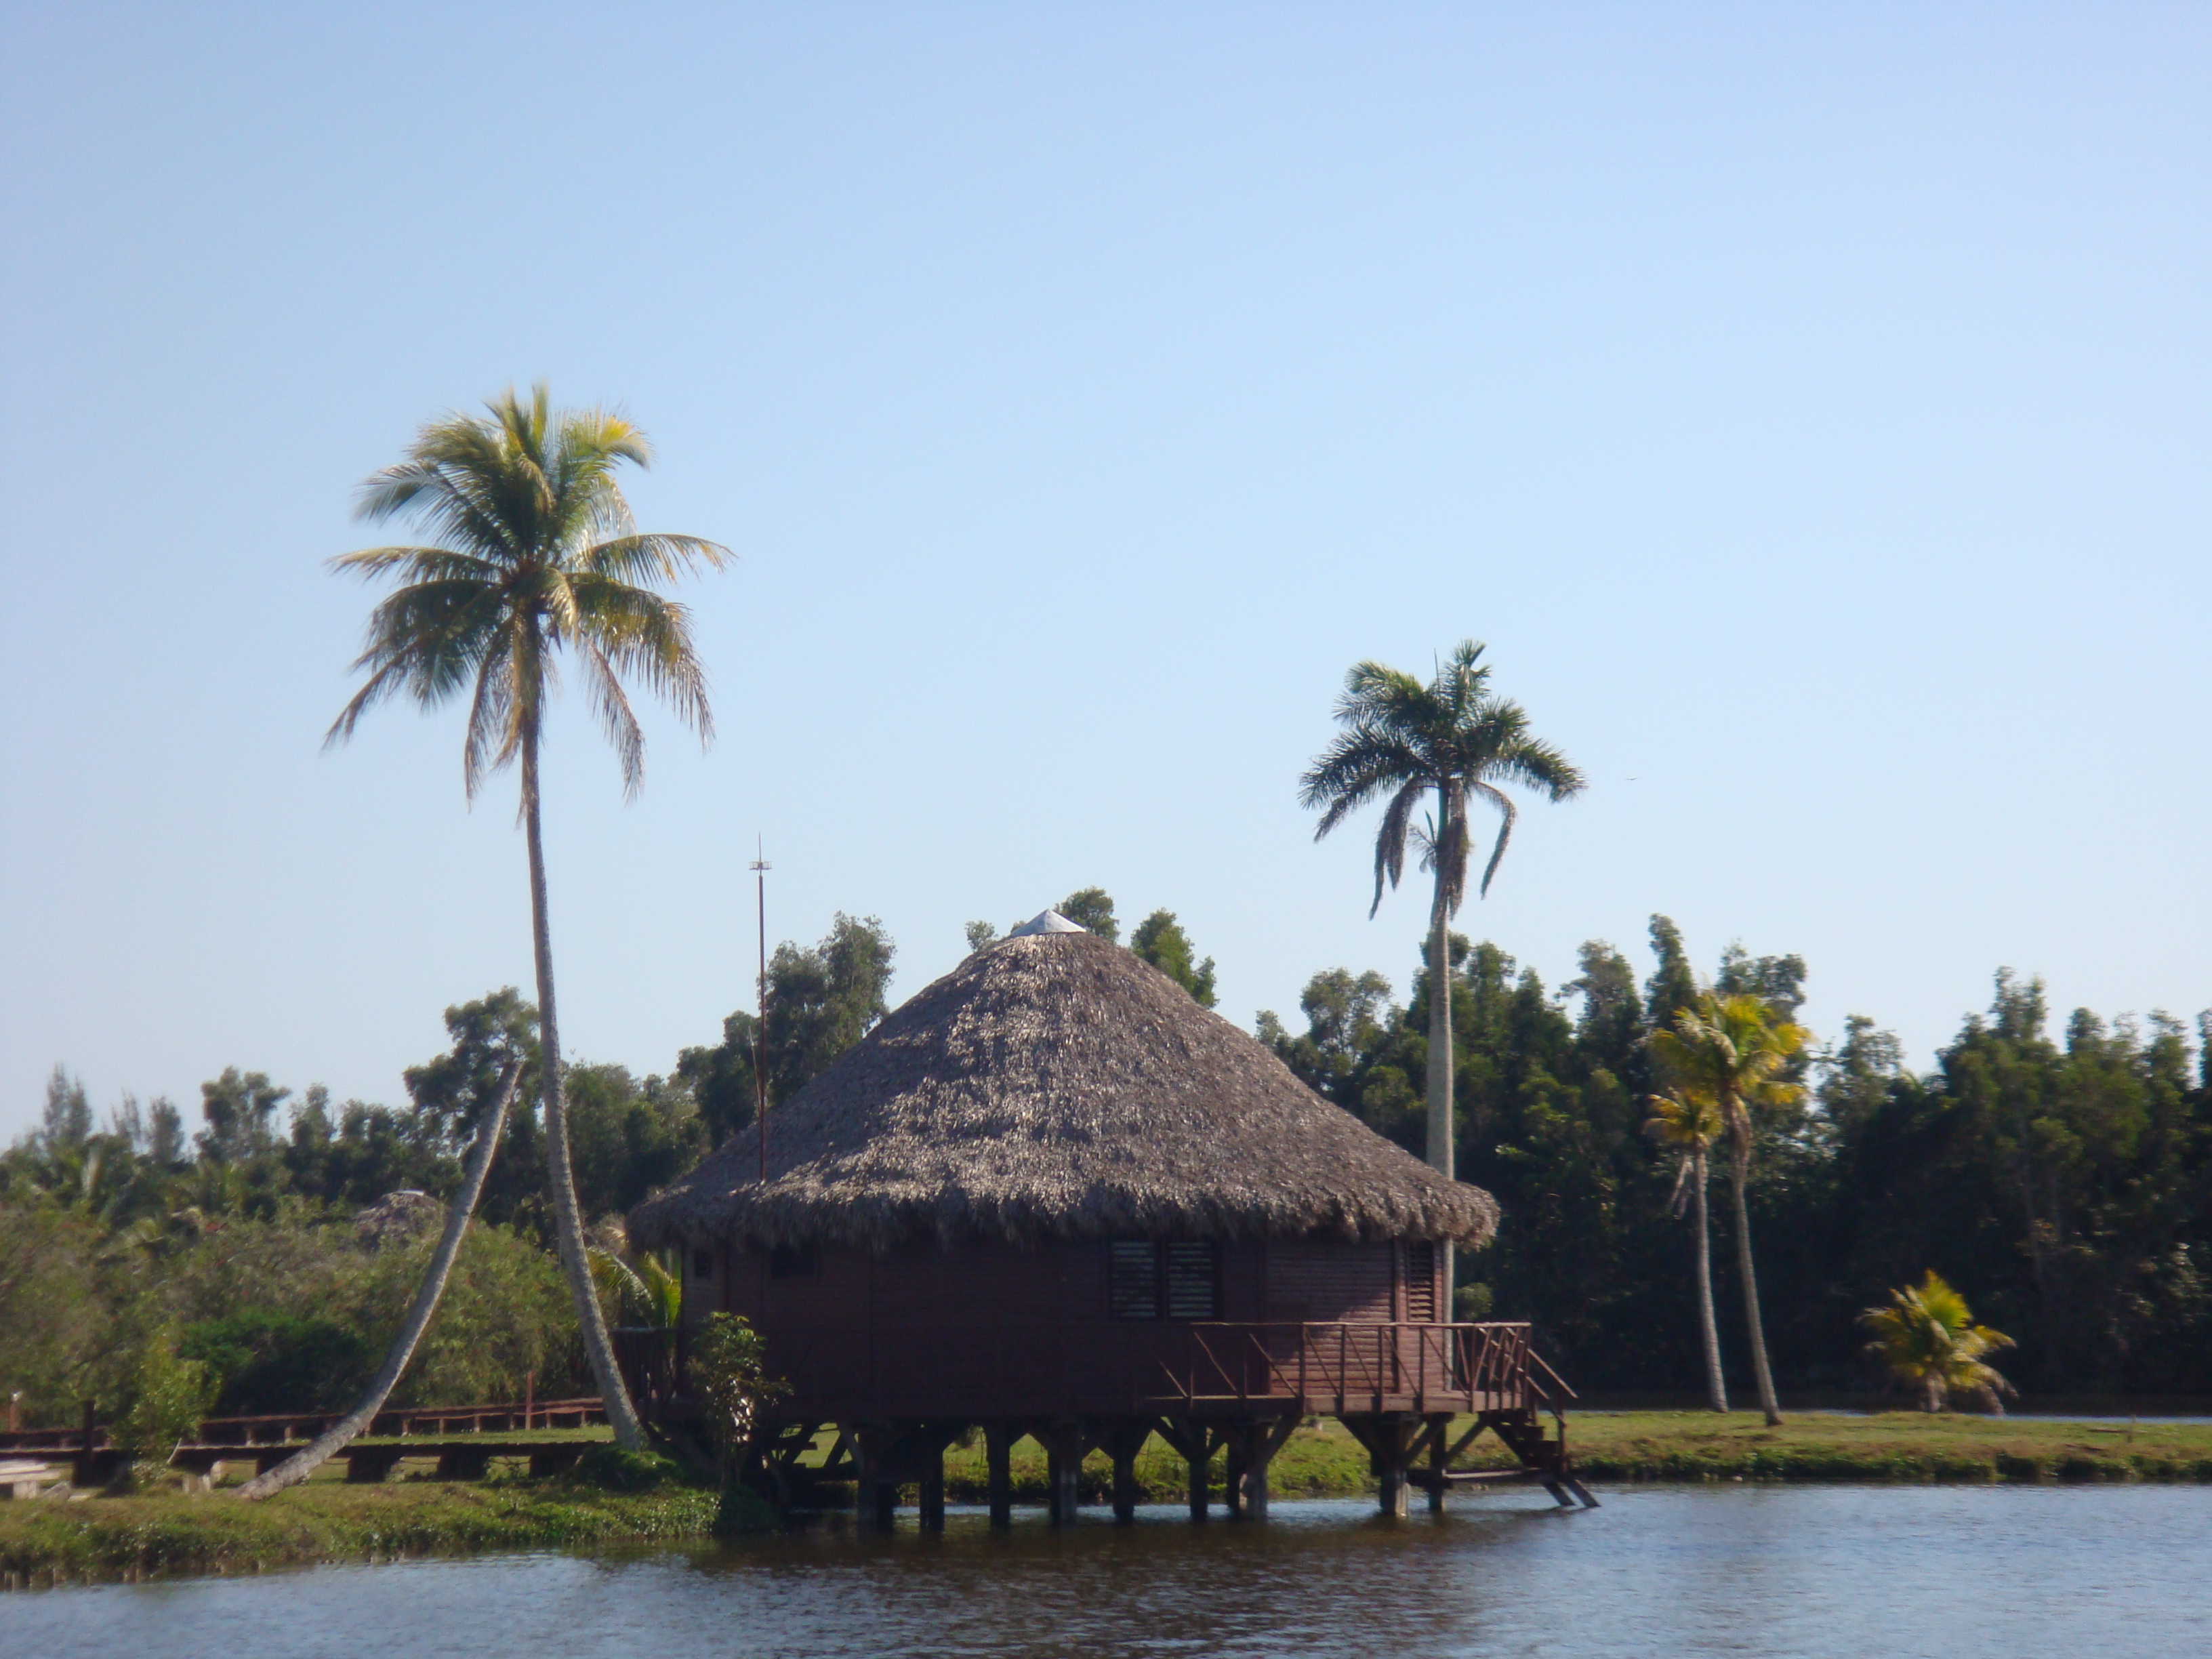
(1441,1150)
(576,1261)
(1708,1330)
(304,1463)
(1760,1371)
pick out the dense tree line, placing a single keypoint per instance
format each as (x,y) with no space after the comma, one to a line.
(256,1241)
(2063,1183)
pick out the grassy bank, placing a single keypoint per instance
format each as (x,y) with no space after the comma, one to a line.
(1884,1446)
(1324,1461)
(45,1542)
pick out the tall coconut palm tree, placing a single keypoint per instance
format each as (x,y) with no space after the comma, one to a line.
(1736,1050)
(1454,739)
(1927,1338)
(534,555)
(1691,1122)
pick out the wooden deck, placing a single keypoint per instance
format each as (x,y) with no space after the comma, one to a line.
(266,1440)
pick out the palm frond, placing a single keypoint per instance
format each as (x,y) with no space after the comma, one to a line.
(1360,765)
(1508,815)
(617,719)
(1390,839)
(647,637)
(1535,764)
(495,731)
(650,557)
(418,564)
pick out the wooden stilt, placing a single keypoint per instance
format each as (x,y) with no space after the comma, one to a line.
(998,1447)
(1233,1486)
(1390,1488)
(1063,1472)
(931,1497)
(1195,1443)
(1439,1436)
(1264,1439)
(864,1482)
(1123,1442)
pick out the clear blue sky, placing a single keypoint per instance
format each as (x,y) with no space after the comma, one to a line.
(1809,405)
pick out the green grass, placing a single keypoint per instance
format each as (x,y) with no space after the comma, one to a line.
(43,1542)
(1324,1461)
(1883,1446)
(329,1519)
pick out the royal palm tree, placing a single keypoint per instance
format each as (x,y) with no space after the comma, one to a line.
(1456,740)
(1736,1050)
(534,555)
(1691,1122)
(1927,1338)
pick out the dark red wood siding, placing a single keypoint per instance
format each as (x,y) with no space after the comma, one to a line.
(977,1330)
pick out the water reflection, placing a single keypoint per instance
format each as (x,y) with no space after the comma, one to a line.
(1955,1572)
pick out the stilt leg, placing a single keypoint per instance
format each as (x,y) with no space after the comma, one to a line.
(998,1444)
(1439,1438)
(1063,1472)
(932,1495)
(1123,1442)
(1390,1482)
(1198,1491)
(874,1498)
(1233,1487)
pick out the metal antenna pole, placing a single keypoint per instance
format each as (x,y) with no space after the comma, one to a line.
(760,1020)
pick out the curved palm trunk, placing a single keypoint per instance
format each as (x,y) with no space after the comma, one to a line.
(1740,1168)
(576,1262)
(1440,1065)
(304,1463)
(1708,1330)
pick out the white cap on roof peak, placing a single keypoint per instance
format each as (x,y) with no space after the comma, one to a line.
(1046,921)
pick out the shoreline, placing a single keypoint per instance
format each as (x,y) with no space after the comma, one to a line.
(48,1542)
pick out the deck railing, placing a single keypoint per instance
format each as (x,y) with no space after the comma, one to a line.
(284,1428)
(1344,1366)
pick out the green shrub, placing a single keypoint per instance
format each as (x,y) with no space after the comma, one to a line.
(271,1361)
(727,1376)
(742,1510)
(612,1469)
(170,1395)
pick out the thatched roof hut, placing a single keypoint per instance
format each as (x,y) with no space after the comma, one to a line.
(1056,1087)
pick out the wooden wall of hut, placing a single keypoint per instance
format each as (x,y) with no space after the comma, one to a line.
(975,1331)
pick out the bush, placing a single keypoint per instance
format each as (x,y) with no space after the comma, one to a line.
(742,1510)
(726,1373)
(612,1469)
(280,1362)
(171,1395)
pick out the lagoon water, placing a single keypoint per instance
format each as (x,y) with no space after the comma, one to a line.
(1959,1571)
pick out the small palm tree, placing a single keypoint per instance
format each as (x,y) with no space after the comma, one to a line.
(1455,739)
(535,556)
(1692,1122)
(1735,1051)
(1927,1340)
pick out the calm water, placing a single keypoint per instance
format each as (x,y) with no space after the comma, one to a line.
(1955,1572)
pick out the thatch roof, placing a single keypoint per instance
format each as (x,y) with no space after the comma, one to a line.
(1057,1086)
